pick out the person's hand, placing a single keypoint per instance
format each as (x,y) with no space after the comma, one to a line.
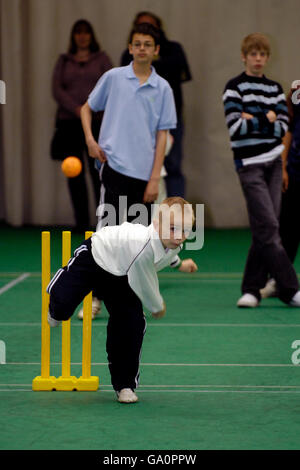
(271,116)
(285,180)
(151,191)
(188,266)
(161,313)
(247,116)
(95,151)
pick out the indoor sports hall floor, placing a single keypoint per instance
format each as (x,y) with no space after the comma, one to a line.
(212,376)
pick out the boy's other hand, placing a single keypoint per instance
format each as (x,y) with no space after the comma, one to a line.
(161,313)
(271,116)
(95,151)
(188,266)
(247,116)
(285,180)
(151,191)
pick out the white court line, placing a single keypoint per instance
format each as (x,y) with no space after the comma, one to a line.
(180,325)
(14,283)
(181,386)
(157,364)
(10,390)
(214,276)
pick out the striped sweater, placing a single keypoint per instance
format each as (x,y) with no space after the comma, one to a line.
(255,140)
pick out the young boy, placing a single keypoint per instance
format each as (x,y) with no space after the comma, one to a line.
(257,119)
(122,261)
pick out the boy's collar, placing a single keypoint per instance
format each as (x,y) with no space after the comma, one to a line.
(253,77)
(152,79)
(158,248)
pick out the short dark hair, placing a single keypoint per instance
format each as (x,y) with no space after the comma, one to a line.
(78,26)
(156,18)
(146,29)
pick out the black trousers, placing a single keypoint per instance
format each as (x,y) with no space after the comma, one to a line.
(115,185)
(289,218)
(126,325)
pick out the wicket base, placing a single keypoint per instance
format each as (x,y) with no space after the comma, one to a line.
(65,384)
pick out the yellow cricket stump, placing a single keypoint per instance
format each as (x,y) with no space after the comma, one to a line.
(65,382)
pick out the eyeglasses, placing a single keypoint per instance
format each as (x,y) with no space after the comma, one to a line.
(146,45)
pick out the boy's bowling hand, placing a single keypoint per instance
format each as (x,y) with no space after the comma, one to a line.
(188,266)
(152,190)
(161,313)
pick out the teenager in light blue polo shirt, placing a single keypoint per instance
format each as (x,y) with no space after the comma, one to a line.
(139,109)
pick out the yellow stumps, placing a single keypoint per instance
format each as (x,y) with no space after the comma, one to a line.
(66,325)
(86,332)
(65,382)
(44,381)
(87,382)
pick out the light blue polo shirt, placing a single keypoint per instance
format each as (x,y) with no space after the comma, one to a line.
(133,114)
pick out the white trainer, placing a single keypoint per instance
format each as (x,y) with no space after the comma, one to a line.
(269,290)
(52,322)
(126,395)
(295,302)
(96,309)
(248,300)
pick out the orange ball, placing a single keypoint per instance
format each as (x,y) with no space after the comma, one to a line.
(71,167)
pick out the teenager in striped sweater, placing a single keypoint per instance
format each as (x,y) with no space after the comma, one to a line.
(257,118)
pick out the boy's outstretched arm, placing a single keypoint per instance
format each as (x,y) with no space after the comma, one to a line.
(161,313)
(188,266)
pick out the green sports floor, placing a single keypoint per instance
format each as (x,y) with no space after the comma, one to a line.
(212,376)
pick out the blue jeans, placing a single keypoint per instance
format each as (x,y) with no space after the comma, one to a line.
(261,185)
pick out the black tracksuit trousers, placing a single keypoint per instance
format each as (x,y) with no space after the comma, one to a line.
(126,324)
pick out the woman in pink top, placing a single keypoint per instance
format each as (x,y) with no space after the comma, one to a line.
(75,75)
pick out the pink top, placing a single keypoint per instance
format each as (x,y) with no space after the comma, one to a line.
(73,81)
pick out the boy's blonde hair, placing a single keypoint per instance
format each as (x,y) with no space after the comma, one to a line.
(255,41)
(178,202)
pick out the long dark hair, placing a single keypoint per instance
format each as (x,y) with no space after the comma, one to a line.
(83,24)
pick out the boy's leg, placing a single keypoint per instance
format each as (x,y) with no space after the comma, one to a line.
(262,189)
(73,282)
(125,332)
